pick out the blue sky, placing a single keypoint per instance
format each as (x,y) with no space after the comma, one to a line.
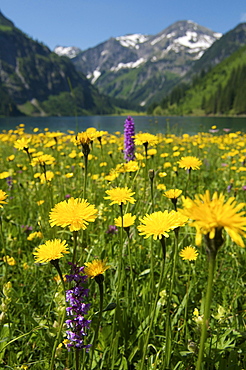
(87,23)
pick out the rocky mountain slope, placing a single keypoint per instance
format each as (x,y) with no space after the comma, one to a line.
(139,67)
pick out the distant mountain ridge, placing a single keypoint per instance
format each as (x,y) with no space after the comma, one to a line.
(221,49)
(137,66)
(130,71)
(35,78)
(220,90)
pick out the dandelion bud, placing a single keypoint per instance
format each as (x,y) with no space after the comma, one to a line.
(151,174)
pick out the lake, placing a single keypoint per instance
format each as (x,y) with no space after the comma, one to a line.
(177,125)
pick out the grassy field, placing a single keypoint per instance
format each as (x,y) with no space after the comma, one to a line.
(152,302)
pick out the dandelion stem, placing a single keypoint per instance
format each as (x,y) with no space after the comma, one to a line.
(55,263)
(99,279)
(85,175)
(120,250)
(211,268)
(132,279)
(163,244)
(168,321)
(151,177)
(186,304)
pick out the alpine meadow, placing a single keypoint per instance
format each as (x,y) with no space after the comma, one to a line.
(122,251)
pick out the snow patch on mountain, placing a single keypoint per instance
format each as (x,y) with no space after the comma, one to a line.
(128,65)
(94,76)
(68,51)
(132,41)
(193,40)
(218,35)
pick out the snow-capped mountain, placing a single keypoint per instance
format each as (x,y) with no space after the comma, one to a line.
(137,66)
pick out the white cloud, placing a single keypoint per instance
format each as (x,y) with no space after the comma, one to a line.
(243,17)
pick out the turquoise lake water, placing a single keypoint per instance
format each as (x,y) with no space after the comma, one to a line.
(177,125)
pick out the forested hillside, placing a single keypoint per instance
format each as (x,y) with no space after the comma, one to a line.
(220,91)
(38,81)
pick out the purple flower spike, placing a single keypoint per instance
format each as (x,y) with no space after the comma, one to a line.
(77,324)
(129,145)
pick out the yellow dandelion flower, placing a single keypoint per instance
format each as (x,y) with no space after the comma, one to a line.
(159,224)
(128,220)
(57,278)
(139,156)
(169,141)
(172,193)
(51,250)
(68,175)
(180,218)
(25,266)
(130,166)
(4,175)
(111,176)
(196,312)
(34,235)
(11,157)
(164,155)
(46,177)
(73,154)
(9,260)
(3,196)
(145,139)
(161,187)
(211,214)
(22,144)
(120,195)
(190,163)
(152,152)
(75,213)
(40,202)
(84,138)
(189,253)
(95,268)
(167,165)
(176,154)
(44,159)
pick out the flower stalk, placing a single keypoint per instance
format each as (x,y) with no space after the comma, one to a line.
(153,313)
(168,328)
(129,145)
(99,279)
(55,263)
(213,246)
